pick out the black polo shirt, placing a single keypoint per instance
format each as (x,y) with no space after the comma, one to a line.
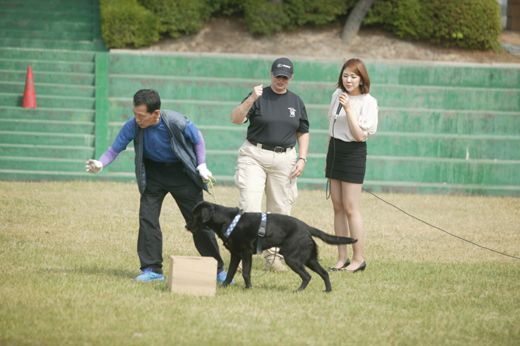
(275,119)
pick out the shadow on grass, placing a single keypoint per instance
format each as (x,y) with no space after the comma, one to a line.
(123,273)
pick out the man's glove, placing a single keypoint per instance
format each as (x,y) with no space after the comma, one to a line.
(93,166)
(204,172)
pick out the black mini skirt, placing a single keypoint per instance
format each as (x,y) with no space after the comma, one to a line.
(346,161)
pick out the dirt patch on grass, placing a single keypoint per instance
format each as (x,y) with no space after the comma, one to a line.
(225,35)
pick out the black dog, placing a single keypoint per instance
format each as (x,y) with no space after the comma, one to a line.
(292,236)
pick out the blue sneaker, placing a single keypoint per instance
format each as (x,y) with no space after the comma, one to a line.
(221,277)
(148,275)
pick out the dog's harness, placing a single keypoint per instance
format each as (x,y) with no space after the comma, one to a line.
(261,234)
(261,230)
(234,223)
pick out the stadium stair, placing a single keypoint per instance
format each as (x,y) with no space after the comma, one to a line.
(59,40)
(443,128)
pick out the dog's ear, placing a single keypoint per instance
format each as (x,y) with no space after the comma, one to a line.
(206,212)
(197,206)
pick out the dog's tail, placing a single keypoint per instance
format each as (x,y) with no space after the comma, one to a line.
(331,239)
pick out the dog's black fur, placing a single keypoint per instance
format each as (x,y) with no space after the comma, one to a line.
(292,236)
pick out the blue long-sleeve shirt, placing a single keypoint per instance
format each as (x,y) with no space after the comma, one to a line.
(156,140)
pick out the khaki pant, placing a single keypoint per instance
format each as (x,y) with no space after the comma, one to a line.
(260,171)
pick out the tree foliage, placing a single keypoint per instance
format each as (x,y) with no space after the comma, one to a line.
(473,24)
(125,22)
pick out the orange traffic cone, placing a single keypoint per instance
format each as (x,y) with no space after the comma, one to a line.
(29,95)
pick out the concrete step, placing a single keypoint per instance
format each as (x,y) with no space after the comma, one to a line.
(42,164)
(46,151)
(55,114)
(434,145)
(55,6)
(45,101)
(48,77)
(50,55)
(413,187)
(36,14)
(48,126)
(46,35)
(171,64)
(380,168)
(383,143)
(449,171)
(53,44)
(442,74)
(50,89)
(46,26)
(53,138)
(66,67)
(218,89)
(449,121)
(391,119)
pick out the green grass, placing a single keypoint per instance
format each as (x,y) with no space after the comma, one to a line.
(68,259)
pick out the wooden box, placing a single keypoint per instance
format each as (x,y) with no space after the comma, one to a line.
(193,275)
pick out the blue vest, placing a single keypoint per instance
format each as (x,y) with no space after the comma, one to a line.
(182,148)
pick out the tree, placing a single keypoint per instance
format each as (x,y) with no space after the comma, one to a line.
(354,20)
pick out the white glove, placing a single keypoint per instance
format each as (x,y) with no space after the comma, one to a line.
(93,166)
(204,172)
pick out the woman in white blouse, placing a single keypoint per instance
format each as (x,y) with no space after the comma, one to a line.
(353,116)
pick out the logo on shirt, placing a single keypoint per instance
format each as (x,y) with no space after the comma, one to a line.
(293,112)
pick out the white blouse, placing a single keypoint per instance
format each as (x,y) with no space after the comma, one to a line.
(365,110)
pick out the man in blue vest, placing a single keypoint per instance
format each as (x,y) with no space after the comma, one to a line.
(170,156)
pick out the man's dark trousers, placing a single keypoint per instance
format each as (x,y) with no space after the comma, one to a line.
(162,178)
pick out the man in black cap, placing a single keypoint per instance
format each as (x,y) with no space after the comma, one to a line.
(268,161)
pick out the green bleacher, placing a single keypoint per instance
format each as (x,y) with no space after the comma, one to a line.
(443,128)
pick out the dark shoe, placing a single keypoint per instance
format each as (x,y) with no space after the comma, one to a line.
(360,268)
(334,269)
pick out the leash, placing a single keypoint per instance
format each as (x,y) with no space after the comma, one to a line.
(440,229)
(265,271)
(211,184)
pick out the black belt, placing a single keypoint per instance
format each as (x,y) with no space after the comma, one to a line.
(268,147)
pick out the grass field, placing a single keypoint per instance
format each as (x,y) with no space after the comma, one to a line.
(68,259)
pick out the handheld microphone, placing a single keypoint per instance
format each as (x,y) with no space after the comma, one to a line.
(339,110)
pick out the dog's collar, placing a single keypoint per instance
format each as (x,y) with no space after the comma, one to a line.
(234,223)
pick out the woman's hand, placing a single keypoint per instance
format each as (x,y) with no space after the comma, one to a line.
(257,92)
(345,101)
(298,169)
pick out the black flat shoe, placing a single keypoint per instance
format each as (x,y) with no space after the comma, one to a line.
(334,269)
(360,268)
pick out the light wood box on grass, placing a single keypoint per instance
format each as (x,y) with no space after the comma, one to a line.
(193,275)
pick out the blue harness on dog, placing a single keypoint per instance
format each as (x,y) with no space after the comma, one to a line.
(234,223)
(261,230)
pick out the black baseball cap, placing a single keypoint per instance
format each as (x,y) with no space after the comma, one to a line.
(282,67)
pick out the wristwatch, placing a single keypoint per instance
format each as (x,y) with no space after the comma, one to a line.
(303,158)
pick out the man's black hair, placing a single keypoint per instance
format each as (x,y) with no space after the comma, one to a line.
(148,97)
